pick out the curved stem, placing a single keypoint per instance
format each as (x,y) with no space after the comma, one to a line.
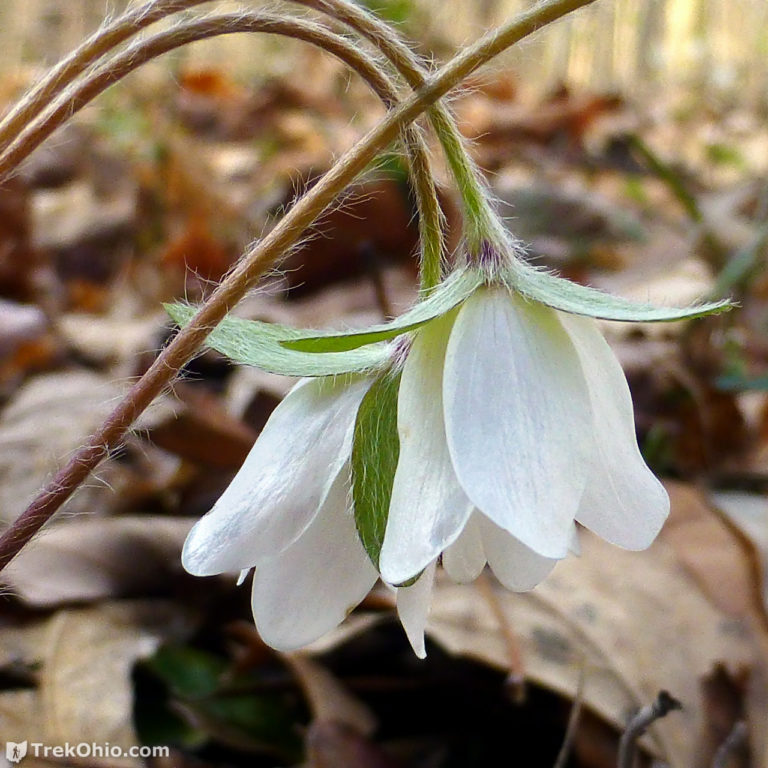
(78,94)
(88,52)
(260,257)
(481,221)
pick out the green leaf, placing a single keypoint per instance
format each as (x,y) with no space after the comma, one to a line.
(153,715)
(258,344)
(741,383)
(188,672)
(252,722)
(375,450)
(564,295)
(449,294)
(192,697)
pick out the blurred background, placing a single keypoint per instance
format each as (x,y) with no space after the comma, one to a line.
(628,146)
(626,44)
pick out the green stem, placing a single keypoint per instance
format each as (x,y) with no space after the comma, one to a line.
(481,222)
(258,259)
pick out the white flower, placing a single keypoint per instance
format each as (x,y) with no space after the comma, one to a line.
(515,420)
(288,514)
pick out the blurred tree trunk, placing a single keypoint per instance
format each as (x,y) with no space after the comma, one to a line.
(630,45)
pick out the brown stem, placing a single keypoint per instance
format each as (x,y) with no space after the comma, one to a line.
(515,662)
(479,222)
(91,50)
(260,257)
(78,94)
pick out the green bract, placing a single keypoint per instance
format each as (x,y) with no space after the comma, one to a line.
(375,451)
(259,344)
(294,352)
(535,284)
(460,285)
(576,299)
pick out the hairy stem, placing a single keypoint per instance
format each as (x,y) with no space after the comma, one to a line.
(480,219)
(110,36)
(100,42)
(260,257)
(78,94)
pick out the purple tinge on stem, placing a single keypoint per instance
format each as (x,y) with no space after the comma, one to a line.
(400,350)
(488,258)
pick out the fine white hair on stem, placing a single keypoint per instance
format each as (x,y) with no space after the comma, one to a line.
(108,37)
(256,261)
(475,195)
(99,78)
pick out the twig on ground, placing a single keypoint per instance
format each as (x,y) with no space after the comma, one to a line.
(637,726)
(573,718)
(516,678)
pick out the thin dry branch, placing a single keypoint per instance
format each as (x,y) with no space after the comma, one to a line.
(639,724)
(573,718)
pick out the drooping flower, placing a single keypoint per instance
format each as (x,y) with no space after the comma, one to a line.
(288,515)
(508,421)
(514,420)
(512,412)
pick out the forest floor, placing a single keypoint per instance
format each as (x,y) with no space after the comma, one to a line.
(150,197)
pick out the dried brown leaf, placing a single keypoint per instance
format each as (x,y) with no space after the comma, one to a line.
(85,660)
(749,513)
(202,431)
(712,553)
(87,559)
(638,621)
(114,338)
(42,424)
(19,721)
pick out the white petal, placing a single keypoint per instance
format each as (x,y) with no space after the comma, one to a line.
(282,482)
(309,588)
(428,509)
(516,566)
(623,501)
(517,417)
(413,608)
(464,560)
